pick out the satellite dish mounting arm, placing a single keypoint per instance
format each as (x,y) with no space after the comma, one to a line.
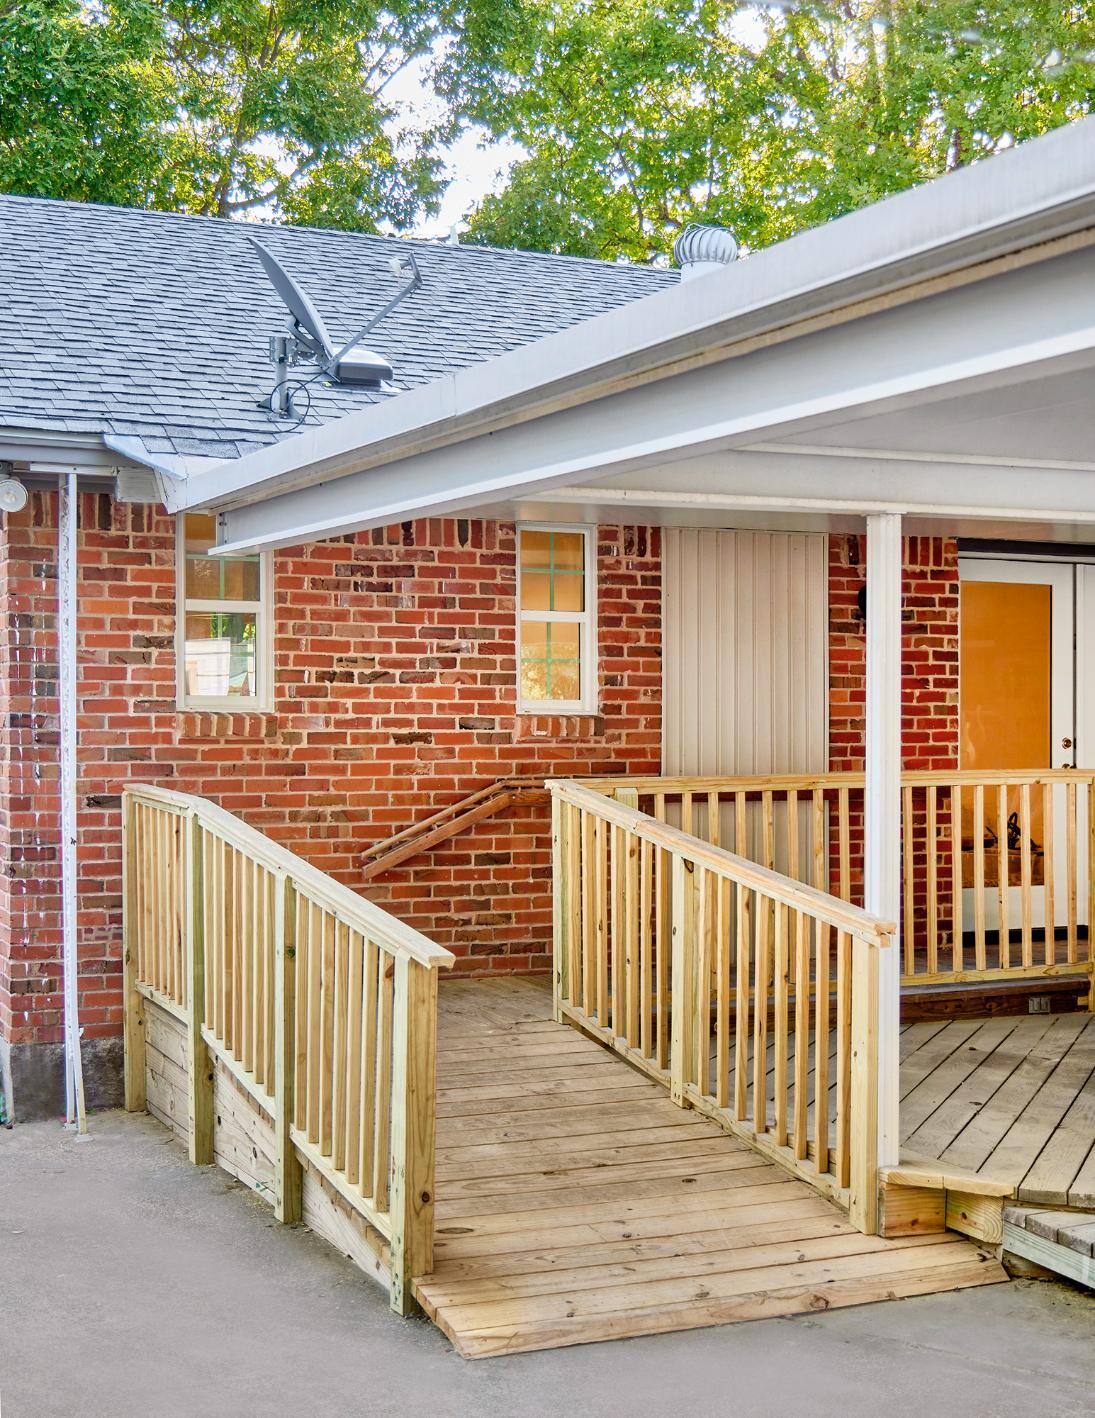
(400,266)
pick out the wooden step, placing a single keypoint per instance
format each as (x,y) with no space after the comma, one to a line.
(1060,1241)
(922,1196)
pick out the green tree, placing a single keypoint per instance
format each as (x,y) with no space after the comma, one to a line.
(83,107)
(640,115)
(222,106)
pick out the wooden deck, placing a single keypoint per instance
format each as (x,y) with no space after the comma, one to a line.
(1012,1098)
(576,1203)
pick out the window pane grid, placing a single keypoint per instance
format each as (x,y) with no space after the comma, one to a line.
(222,654)
(555,619)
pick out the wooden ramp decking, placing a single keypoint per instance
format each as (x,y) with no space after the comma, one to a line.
(1012,1098)
(576,1203)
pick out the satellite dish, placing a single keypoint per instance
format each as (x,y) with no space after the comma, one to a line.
(354,364)
(306,317)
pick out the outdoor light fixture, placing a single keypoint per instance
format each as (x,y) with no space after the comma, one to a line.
(13,495)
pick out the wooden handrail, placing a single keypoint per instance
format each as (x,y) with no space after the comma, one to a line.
(841,915)
(321,1006)
(804,782)
(448,822)
(995,886)
(666,945)
(359,913)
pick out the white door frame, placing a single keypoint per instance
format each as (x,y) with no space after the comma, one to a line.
(1061,576)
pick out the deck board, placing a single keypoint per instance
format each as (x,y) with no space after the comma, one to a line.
(1011,1098)
(576,1203)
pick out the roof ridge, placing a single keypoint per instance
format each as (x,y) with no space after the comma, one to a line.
(253,228)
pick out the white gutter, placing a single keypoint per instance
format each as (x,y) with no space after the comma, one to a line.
(1041,191)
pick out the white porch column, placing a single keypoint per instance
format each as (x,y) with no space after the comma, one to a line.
(882,805)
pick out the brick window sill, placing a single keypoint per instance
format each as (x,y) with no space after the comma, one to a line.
(558,726)
(204,725)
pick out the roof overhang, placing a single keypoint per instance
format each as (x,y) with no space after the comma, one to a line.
(981,280)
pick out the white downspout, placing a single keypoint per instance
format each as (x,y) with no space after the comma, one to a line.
(67,500)
(882,862)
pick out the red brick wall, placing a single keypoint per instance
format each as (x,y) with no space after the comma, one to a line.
(394,696)
(929,660)
(929,665)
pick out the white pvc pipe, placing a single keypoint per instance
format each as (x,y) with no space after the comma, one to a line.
(75,1110)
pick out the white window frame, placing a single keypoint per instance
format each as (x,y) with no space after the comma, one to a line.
(585,619)
(262,700)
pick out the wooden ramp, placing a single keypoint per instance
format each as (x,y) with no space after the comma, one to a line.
(576,1203)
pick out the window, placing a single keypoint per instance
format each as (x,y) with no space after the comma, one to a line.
(555,620)
(223,635)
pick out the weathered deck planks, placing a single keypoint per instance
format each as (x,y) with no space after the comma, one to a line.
(576,1203)
(1011,1098)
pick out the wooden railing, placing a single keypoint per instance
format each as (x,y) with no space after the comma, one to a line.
(751,996)
(1025,855)
(441,826)
(321,1006)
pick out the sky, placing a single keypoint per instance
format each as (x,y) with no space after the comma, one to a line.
(475,168)
(475,164)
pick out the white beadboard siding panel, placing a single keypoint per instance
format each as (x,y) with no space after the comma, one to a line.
(745,662)
(746,627)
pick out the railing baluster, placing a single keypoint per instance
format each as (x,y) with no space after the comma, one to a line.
(741,1002)
(957,925)
(843,1057)
(722,992)
(1070,866)
(572,866)
(1050,918)
(663,942)
(821,1049)
(589,916)
(760,1019)
(355,961)
(288,1175)
(683,994)
(382,1155)
(600,834)
(617,928)
(979,875)
(932,856)
(339,1061)
(646,988)
(908,866)
(781,971)
(802,1032)
(1025,873)
(373,964)
(631,935)
(701,982)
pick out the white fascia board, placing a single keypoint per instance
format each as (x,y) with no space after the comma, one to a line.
(854,483)
(1030,195)
(1025,324)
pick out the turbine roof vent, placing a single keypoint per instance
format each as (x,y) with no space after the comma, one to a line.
(701,249)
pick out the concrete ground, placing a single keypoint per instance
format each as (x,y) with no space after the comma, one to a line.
(134,1284)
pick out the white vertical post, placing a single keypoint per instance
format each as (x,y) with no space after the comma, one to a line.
(66,655)
(882,806)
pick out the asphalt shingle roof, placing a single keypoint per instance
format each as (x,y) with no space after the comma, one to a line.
(156,325)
